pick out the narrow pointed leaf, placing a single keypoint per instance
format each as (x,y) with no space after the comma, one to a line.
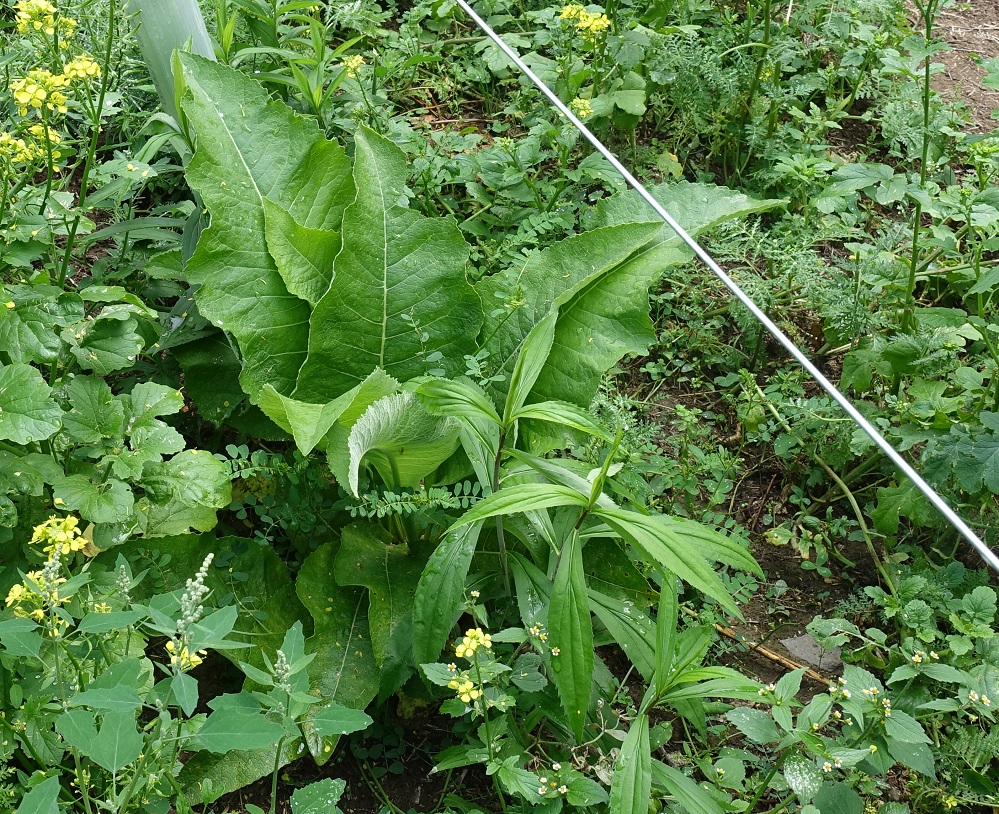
(524,497)
(567,415)
(570,632)
(669,550)
(631,788)
(667,619)
(439,593)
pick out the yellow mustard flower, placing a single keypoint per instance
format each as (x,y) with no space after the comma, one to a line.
(182,658)
(352,65)
(473,639)
(62,533)
(81,68)
(581,107)
(40,89)
(573,11)
(465,689)
(14,150)
(41,16)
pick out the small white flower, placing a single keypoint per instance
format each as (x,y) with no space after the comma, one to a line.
(827,766)
(556,767)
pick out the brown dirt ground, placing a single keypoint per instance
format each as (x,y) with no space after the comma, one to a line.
(971,29)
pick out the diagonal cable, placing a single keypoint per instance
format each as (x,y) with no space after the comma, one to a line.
(952,517)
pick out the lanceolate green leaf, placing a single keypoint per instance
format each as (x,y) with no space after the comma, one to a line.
(250,149)
(667,619)
(670,550)
(524,497)
(631,628)
(399,293)
(570,632)
(401,440)
(437,603)
(631,787)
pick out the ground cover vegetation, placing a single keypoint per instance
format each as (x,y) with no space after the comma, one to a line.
(343,389)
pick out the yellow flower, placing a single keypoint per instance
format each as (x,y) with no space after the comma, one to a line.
(17,594)
(182,658)
(592,25)
(40,89)
(465,689)
(352,65)
(14,150)
(62,533)
(473,639)
(581,107)
(35,15)
(573,11)
(43,133)
(82,68)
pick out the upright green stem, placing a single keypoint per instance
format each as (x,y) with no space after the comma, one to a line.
(90,159)
(500,538)
(927,11)
(489,733)
(274,776)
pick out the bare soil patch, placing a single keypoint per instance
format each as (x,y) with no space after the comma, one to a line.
(971,29)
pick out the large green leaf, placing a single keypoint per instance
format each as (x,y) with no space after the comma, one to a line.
(225,729)
(29,331)
(108,501)
(607,315)
(27,411)
(399,299)
(571,634)
(42,799)
(183,493)
(516,301)
(250,149)
(368,558)
(211,376)
(344,669)
(303,256)
(113,747)
(95,415)
(696,207)
(308,423)
(401,440)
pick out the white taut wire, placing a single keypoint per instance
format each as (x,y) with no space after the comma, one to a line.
(986,553)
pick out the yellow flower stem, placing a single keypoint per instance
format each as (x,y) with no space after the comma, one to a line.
(488,728)
(48,159)
(89,161)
